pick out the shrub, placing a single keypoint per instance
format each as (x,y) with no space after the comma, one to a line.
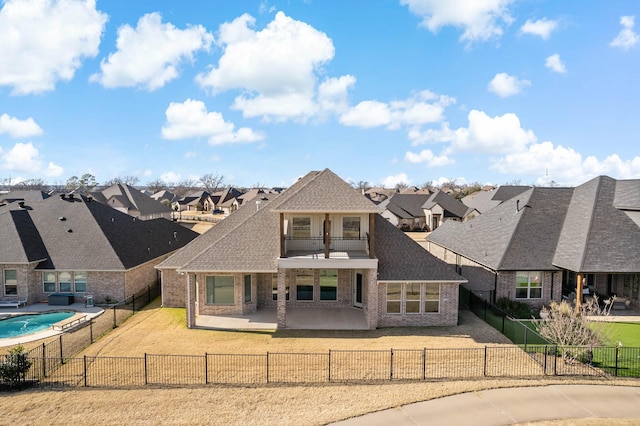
(514,308)
(14,367)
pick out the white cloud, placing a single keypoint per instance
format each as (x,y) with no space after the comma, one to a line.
(505,85)
(332,94)
(393,180)
(170,177)
(276,68)
(149,55)
(45,41)
(421,108)
(190,119)
(542,27)
(25,158)
(501,134)
(427,157)
(564,166)
(17,128)
(626,38)
(555,64)
(480,20)
(419,137)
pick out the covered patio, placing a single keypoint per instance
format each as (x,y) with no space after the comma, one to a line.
(312,318)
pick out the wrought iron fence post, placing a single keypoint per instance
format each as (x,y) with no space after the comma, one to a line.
(424,364)
(555,360)
(145,369)
(206,368)
(545,359)
(329,365)
(391,366)
(115,322)
(267,367)
(617,357)
(85,370)
(61,356)
(484,367)
(44,360)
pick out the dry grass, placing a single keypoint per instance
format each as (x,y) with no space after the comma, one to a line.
(163,331)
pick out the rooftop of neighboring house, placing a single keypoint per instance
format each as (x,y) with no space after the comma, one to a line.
(594,227)
(407,206)
(127,197)
(452,207)
(70,232)
(485,200)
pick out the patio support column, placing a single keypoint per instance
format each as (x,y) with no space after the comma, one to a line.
(579,287)
(372,298)
(372,240)
(327,235)
(282,250)
(282,299)
(191,297)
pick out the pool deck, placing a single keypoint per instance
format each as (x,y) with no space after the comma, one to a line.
(80,308)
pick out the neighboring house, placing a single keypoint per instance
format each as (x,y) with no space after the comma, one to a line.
(486,199)
(23,195)
(165,197)
(197,201)
(73,244)
(319,244)
(227,200)
(441,207)
(547,243)
(129,200)
(405,211)
(378,195)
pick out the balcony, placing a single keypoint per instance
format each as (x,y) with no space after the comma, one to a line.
(339,248)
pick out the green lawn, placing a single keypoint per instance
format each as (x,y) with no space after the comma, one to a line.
(625,332)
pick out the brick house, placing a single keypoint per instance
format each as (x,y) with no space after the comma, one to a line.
(75,245)
(549,243)
(318,244)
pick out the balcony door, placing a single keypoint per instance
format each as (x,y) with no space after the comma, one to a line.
(357,291)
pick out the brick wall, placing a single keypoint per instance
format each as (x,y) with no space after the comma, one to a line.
(447,315)
(174,289)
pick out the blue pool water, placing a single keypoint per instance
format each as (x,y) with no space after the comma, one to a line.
(31,323)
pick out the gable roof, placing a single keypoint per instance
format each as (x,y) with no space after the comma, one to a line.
(407,206)
(519,234)
(506,192)
(451,206)
(23,195)
(125,196)
(322,192)
(599,235)
(80,234)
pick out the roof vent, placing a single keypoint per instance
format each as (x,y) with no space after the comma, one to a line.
(71,196)
(70,230)
(21,204)
(89,199)
(175,235)
(63,196)
(62,218)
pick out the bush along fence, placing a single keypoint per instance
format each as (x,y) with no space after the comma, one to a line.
(516,330)
(340,366)
(51,355)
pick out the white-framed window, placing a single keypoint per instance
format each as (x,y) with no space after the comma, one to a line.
(49,282)
(10,282)
(528,285)
(80,281)
(413,298)
(304,284)
(351,227)
(247,288)
(64,282)
(328,284)
(220,290)
(301,227)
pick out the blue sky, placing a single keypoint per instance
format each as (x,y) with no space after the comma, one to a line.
(261,92)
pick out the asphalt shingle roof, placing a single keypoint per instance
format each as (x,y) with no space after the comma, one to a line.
(81,234)
(407,206)
(451,206)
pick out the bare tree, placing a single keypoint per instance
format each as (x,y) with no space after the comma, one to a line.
(83,184)
(183,188)
(31,184)
(156,185)
(401,186)
(565,325)
(129,180)
(212,182)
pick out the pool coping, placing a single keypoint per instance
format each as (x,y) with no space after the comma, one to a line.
(80,308)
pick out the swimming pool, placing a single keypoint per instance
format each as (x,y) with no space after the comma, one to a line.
(20,325)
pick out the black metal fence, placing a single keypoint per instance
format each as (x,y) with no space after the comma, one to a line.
(516,330)
(341,366)
(52,354)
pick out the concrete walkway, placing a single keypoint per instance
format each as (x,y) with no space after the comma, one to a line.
(513,405)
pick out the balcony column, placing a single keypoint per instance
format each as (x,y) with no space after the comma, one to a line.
(327,235)
(372,240)
(282,242)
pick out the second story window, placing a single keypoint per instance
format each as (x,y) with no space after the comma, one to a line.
(350,227)
(301,227)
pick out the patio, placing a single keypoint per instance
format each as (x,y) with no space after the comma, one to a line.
(297,318)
